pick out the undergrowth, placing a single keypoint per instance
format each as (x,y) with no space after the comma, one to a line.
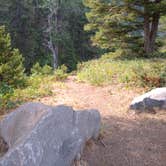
(133,72)
(39,84)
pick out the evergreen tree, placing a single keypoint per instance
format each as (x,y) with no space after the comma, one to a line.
(126,24)
(11,67)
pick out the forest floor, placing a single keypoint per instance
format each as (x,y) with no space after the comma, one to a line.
(126,139)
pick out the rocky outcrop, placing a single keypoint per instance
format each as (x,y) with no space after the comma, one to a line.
(40,135)
(151,101)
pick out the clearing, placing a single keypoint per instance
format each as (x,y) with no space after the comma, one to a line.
(126,140)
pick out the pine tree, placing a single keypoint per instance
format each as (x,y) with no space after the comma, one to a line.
(11,67)
(125,24)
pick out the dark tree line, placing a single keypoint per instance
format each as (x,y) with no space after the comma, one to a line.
(47,31)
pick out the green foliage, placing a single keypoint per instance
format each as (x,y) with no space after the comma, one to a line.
(136,72)
(24,20)
(40,83)
(6,92)
(27,22)
(61,73)
(114,24)
(152,76)
(96,73)
(38,70)
(128,25)
(38,86)
(11,62)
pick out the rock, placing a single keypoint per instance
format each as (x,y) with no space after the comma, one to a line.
(3,147)
(151,101)
(40,135)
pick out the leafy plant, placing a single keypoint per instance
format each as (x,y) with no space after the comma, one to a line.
(152,76)
(61,73)
(137,72)
(6,92)
(38,70)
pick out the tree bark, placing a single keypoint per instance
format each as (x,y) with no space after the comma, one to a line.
(53,27)
(151,23)
(146,33)
(154,29)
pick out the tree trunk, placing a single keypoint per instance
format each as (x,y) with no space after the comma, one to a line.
(151,23)
(53,29)
(154,29)
(54,51)
(51,45)
(146,33)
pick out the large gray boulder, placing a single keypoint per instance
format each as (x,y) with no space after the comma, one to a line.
(151,101)
(40,135)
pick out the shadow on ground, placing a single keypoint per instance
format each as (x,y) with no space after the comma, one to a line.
(138,141)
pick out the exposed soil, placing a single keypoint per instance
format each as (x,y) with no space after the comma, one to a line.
(126,139)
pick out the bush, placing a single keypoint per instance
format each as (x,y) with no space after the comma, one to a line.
(6,92)
(38,86)
(96,73)
(38,70)
(152,76)
(117,54)
(138,72)
(61,73)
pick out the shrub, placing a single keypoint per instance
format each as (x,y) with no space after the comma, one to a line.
(46,70)
(38,86)
(138,72)
(96,73)
(6,92)
(118,53)
(38,70)
(61,73)
(153,75)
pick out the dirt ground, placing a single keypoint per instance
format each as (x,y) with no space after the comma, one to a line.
(126,139)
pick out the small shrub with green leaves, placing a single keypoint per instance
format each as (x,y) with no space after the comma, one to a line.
(6,92)
(38,86)
(152,76)
(97,73)
(61,73)
(38,70)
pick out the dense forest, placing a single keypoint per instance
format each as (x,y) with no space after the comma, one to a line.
(37,36)
(47,31)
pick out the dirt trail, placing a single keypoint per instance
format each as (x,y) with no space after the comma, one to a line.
(127,140)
